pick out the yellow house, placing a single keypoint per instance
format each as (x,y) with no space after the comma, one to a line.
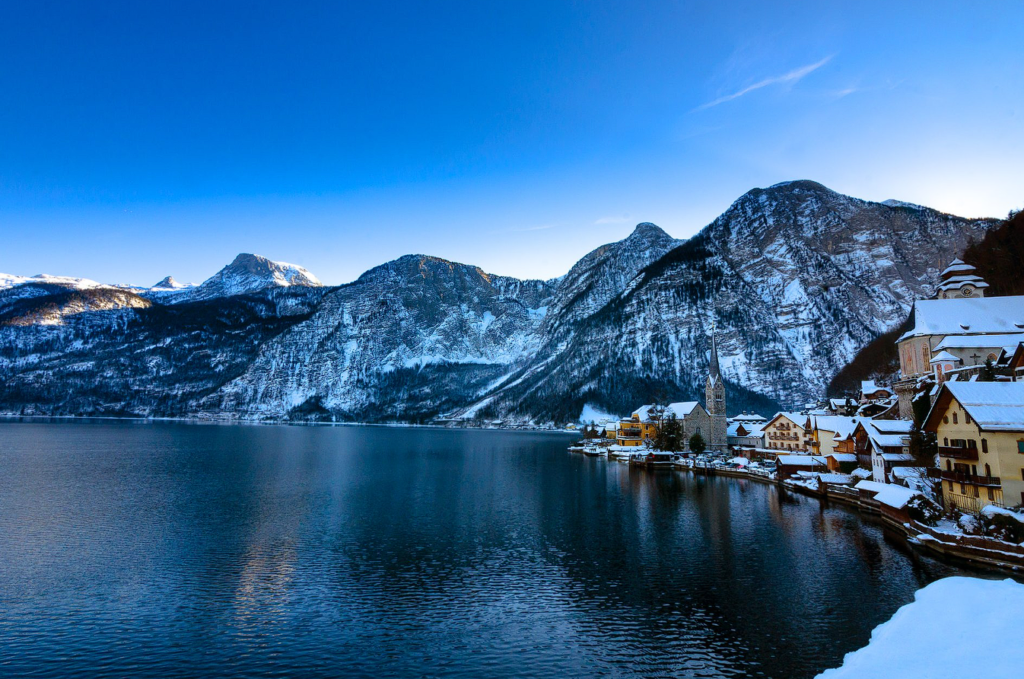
(980,432)
(828,430)
(638,429)
(788,432)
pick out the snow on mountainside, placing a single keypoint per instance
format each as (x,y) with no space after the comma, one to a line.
(795,277)
(9,281)
(246,274)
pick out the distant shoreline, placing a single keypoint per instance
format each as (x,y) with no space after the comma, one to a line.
(264,423)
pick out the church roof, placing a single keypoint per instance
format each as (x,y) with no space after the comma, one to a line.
(971,316)
(714,371)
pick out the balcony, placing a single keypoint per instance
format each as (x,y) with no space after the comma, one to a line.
(960,477)
(958,453)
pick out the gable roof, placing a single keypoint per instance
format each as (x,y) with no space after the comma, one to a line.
(798,419)
(841,425)
(970,316)
(994,406)
(985,341)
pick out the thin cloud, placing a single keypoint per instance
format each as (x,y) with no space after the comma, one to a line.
(619,219)
(788,78)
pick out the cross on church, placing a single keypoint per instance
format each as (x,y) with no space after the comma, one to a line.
(975,357)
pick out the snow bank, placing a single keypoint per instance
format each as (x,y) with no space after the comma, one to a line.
(921,641)
(990,511)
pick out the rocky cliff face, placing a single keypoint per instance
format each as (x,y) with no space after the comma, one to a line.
(796,278)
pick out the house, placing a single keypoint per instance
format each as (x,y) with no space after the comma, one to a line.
(841,462)
(888,446)
(642,426)
(787,432)
(825,481)
(611,430)
(827,430)
(887,499)
(869,391)
(979,427)
(745,435)
(791,465)
(842,406)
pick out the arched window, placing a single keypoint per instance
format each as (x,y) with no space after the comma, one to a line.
(945,441)
(945,419)
(926,356)
(949,465)
(988,471)
(984,445)
(954,418)
(967,417)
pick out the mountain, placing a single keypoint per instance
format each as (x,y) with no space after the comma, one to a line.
(795,278)
(246,274)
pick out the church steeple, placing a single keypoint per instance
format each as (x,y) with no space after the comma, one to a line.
(714,398)
(715,373)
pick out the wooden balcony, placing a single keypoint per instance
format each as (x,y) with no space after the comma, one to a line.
(958,453)
(960,477)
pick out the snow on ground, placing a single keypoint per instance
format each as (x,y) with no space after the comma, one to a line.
(922,642)
(592,413)
(991,510)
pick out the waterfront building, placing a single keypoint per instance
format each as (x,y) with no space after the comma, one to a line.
(745,435)
(980,431)
(828,430)
(788,432)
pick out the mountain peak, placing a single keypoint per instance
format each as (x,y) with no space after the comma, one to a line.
(169,283)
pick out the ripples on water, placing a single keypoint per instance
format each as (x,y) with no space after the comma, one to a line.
(132,550)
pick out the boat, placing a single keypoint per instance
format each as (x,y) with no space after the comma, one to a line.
(653,458)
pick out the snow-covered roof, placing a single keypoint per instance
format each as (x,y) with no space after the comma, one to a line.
(682,409)
(841,479)
(801,460)
(970,316)
(869,387)
(986,341)
(892,426)
(994,406)
(843,457)
(841,425)
(896,457)
(798,419)
(895,496)
(749,417)
(873,486)
(943,357)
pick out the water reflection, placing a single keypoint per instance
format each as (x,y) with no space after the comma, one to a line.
(161,549)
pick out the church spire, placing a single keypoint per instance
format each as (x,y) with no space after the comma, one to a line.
(715,372)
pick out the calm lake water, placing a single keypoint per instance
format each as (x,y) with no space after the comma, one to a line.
(134,550)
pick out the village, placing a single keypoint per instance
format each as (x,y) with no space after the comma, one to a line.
(937,455)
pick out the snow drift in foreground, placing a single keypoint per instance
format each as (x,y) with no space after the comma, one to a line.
(923,641)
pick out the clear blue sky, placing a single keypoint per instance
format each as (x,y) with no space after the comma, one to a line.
(142,139)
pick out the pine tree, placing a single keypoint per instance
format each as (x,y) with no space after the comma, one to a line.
(697,445)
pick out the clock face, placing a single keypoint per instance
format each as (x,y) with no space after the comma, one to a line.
(967,291)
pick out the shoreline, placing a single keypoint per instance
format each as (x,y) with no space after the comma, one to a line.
(972,549)
(278,423)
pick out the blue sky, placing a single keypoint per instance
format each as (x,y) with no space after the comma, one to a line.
(139,140)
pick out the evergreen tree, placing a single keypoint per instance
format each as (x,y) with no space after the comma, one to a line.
(670,434)
(697,445)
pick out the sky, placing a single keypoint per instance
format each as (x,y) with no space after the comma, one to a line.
(139,140)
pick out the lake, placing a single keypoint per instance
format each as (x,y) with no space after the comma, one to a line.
(132,549)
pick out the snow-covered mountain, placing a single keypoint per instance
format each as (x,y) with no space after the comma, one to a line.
(246,274)
(795,277)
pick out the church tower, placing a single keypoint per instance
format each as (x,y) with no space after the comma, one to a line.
(714,397)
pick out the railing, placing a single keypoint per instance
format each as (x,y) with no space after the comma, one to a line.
(960,477)
(959,453)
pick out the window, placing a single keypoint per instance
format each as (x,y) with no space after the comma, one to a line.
(984,445)
(945,441)
(988,472)
(945,419)
(967,417)
(991,494)
(977,493)
(951,484)
(963,489)
(1022,474)
(1020,446)
(954,418)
